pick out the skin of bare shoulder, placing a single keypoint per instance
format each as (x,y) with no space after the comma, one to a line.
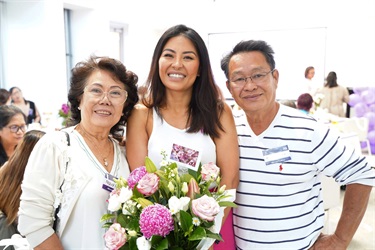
(137,135)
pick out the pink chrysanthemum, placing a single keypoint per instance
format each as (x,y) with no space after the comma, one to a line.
(136,175)
(156,220)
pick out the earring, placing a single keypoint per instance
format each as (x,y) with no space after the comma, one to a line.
(79,108)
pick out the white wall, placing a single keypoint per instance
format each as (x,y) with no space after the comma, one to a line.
(33,50)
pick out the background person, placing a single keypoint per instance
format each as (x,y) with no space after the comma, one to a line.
(283,153)
(11,175)
(4,97)
(305,102)
(102,94)
(12,129)
(311,85)
(185,107)
(28,107)
(334,96)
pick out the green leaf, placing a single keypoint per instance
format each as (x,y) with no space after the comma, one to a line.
(150,166)
(162,245)
(186,221)
(186,177)
(198,234)
(227,204)
(212,235)
(132,243)
(122,220)
(107,217)
(156,239)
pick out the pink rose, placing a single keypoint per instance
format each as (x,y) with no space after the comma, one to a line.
(205,208)
(115,237)
(136,175)
(210,172)
(149,184)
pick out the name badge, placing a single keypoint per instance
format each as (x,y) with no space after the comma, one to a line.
(109,183)
(276,155)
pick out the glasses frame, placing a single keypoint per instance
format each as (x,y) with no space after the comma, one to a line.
(105,93)
(16,128)
(251,78)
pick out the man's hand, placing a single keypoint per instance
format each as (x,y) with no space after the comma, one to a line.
(329,242)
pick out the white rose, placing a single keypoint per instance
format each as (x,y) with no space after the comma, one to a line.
(125,194)
(174,205)
(114,203)
(184,201)
(143,243)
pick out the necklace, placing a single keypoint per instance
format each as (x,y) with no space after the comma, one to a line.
(86,135)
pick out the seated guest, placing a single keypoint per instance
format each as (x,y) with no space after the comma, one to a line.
(305,102)
(11,175)
(12,129)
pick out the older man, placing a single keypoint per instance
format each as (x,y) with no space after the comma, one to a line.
(283,154)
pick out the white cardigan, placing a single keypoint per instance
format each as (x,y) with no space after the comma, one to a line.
(83,199)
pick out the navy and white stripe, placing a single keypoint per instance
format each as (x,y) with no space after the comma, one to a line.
(283,209)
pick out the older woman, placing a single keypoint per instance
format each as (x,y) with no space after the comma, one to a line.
(12,129)
(102,94)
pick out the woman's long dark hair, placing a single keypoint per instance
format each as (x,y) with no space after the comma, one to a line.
(331,80)
(206,104)
(11,175)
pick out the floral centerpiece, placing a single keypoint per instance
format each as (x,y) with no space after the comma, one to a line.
(162,209)
(65,113)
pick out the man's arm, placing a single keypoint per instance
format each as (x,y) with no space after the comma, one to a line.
(354,207)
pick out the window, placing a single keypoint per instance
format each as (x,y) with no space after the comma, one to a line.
(116,41)
(68,45)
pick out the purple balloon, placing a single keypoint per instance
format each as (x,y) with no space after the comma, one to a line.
(371,118)
(371,107)
(358,90)
(360,109)
(371,137)
(354,99)
(372,146)
(368,97)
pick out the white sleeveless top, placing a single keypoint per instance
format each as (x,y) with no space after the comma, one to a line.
(187,149)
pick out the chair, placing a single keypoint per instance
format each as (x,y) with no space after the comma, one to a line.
(358,125)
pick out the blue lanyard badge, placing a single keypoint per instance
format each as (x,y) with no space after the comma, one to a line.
(276,155)
(109,183)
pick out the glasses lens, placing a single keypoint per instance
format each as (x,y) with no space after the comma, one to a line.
(116,96)
(15,128)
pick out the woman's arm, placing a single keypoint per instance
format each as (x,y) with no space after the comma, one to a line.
(227,152)
(137,136)
(52,242)
(37,115)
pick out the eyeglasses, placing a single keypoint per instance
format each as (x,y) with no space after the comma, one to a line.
(116,96)
(15,128)
(255,78)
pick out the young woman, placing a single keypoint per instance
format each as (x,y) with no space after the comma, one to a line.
(184,107)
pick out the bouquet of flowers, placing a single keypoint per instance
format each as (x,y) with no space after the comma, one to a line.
(161,209)
(318,99)
(64,112)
